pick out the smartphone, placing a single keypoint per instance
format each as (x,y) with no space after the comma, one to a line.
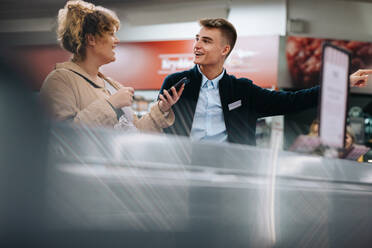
(179,84)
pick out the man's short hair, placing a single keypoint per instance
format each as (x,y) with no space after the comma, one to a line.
(227,29)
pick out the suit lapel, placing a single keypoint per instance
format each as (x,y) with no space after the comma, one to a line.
(193,90)
(186,106)
(192,94)
(225,90)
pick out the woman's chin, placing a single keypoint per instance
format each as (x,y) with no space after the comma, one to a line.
(109,60)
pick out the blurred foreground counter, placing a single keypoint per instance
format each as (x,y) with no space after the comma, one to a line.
(110,189)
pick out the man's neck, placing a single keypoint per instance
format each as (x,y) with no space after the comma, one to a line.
(211,71)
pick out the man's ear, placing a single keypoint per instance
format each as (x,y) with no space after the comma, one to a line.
(91,40)
(226,50)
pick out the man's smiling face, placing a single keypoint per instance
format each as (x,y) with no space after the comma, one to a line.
(209,47)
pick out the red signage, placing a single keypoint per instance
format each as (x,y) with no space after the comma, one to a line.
(255,58)
(144,65)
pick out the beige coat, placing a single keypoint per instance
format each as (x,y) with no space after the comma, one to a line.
(68,96)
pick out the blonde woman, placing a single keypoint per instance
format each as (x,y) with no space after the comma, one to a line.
(76,91)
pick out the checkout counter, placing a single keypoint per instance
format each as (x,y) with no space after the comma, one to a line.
(70,186)
(111,189)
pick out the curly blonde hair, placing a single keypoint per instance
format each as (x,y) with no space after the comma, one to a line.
(78,19)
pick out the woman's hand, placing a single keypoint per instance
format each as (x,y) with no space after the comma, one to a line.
(167,101)
(122,98)
(360,78)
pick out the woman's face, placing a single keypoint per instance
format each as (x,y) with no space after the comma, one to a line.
(348,141)
(314,129)
(104,48)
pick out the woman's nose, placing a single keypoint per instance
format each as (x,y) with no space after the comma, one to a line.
(116,40)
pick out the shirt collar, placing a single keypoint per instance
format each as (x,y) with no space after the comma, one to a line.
(215,80)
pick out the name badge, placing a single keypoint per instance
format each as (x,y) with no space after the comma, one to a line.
(235,105)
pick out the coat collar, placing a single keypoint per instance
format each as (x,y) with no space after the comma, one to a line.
(192,90)
(69,65)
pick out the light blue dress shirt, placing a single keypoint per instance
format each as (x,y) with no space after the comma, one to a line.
(208,124)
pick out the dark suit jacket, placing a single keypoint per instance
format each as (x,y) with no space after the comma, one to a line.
(240,122)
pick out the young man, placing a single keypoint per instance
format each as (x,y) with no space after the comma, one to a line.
(217,106)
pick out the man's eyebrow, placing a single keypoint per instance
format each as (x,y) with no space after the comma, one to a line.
(204,37)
